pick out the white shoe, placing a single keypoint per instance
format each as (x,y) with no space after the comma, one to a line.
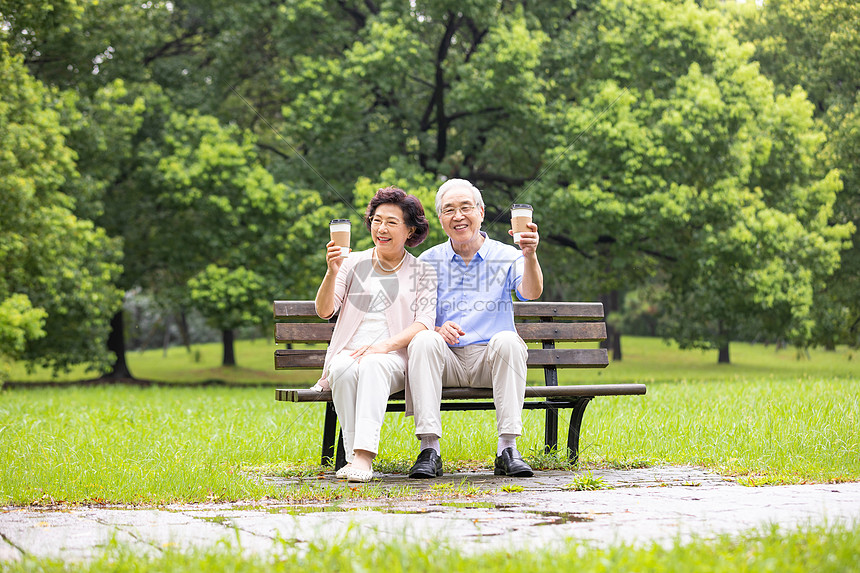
(359,476)
(341,473)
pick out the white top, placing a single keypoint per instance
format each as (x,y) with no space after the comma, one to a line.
(373,327)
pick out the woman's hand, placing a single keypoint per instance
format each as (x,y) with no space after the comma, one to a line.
(378,348)
(332,258)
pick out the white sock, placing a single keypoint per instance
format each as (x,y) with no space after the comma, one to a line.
(506,441)
(430,441)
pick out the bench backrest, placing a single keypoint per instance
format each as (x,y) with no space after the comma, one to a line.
(544,322)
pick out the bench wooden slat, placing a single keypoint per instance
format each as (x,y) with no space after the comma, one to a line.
(291,309)
(529,331)
(568,358)
(562,331)
(538,358)
(295,308)
(305,358)
(303,332)
(292,395)
(571,310)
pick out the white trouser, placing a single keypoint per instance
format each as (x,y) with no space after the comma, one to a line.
(499,364)
(360,391)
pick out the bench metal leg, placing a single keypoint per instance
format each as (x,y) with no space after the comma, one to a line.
(551,431)
(576,427)
(329,428)
(340,460)
(328,449)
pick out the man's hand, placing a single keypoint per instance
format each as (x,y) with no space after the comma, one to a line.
(451,332)
(528,240)
(531,286)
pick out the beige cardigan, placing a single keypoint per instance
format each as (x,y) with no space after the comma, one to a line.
(414,301)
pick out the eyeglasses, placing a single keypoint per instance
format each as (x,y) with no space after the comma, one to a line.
(390,223)
(464,209)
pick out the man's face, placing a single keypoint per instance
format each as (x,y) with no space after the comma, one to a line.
(460,226)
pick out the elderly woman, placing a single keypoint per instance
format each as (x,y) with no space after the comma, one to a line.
(385,296)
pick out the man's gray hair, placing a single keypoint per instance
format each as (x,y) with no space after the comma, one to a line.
(452,184)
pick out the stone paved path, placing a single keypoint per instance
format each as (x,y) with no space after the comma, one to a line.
(661,504)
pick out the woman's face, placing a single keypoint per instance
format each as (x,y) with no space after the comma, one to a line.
(388,228)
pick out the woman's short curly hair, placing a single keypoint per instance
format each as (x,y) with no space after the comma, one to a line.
(413,212)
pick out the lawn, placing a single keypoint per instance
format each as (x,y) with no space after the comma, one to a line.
(819,549)
(645,360)
(782,420)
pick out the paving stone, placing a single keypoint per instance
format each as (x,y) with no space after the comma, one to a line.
(643,506)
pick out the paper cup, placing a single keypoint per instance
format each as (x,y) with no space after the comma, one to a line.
(521,216)
(340,230)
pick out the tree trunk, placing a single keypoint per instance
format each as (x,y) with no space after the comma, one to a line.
(165,341)
(182,322)
(116,344)
(616,346)
(724,353)
(613,336)
(724,338)
(229,354)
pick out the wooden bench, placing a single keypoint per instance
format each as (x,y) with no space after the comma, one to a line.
(544,322)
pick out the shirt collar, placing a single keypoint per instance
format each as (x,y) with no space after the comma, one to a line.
(482,252)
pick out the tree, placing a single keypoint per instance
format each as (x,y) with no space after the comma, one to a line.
(210,216)
(677,159)
(230,298)
(58,271)
(180,189)
(814,44)
(642,128)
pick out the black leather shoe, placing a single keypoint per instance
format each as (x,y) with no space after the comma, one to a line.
(428,465)
(510,463)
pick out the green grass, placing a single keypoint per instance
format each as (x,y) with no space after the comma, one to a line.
(820,549)
(162,444)
(645,360)
(789,430)
(654,360)
(587,482)
(159,444)
(202,364)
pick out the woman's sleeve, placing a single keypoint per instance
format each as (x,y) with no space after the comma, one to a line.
(340,284)
(424,304)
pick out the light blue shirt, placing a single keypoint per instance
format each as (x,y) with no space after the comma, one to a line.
(477,296)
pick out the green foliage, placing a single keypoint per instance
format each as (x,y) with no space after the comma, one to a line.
(230,298)
(198,184)
(101,133)
(680,163)
(216,133)
(19,322)
(55,266)
(811,43)
(814,44)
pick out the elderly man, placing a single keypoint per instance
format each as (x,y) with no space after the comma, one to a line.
(475,342)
